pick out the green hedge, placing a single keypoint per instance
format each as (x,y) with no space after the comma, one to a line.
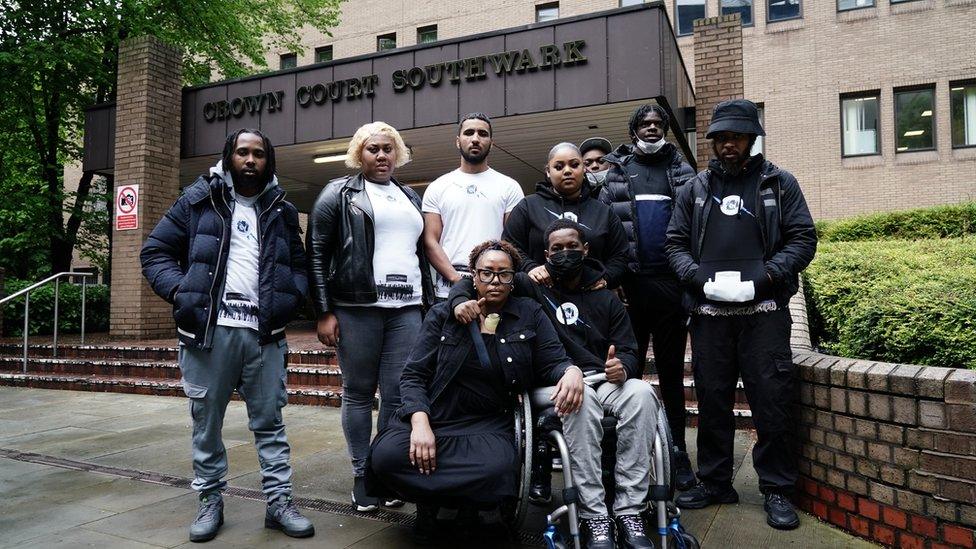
(939,222)
(69,309)
(896,301)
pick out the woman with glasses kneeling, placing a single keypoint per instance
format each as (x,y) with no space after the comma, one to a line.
(454,443)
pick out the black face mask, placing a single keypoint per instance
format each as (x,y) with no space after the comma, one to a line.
(565,264)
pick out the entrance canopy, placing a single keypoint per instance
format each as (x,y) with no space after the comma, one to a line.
(563,80)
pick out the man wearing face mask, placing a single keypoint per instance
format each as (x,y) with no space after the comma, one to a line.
(593,327)
(641,186)
(740,235)
(594,150)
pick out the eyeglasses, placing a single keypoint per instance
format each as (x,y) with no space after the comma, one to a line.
(486,276)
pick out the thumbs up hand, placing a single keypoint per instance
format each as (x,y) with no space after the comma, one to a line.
(614,368)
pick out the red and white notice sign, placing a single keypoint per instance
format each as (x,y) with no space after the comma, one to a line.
(127,207)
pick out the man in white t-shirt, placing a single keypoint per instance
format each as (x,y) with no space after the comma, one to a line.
(467,206)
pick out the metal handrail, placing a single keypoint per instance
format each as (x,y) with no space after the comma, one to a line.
(57,291)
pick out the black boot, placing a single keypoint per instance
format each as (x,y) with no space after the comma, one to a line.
(683,474)
(598,533)
(630,530)
(540,483)
(425,525)
(703,495)
(780,513)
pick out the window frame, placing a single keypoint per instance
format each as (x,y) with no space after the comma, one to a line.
(752,13)
(876,94)
(677,21)
(955,84)
(761,106)
(386,36)
(425,29)
(290,56)
(874,4)
(794,18)
(545,6)
(894,109)
(321,49)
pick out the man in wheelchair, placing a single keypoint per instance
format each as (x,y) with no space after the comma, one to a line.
(594,328)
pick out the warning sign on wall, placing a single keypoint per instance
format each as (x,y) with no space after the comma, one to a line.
(127,207)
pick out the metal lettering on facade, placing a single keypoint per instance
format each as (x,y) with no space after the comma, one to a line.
(548,57)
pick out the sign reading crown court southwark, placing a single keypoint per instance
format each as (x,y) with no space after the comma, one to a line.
(548,57)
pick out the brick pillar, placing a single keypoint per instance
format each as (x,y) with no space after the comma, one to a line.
(147,153)
(718,72)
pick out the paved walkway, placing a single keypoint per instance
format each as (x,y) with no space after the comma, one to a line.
(109,470)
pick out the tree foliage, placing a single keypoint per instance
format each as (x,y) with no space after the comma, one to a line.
(58,57)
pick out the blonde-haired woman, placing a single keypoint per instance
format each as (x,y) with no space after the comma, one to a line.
(369,279)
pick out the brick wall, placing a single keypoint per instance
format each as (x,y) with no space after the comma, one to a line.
(718,72)
(888,450)
(147,153)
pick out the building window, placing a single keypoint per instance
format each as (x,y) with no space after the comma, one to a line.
(288,61)
(914,120)
(386,42)
(742,7)
(686,11)
(779,10)
(962,98)
(546,12)
(859,121)
(426,35)
(759,147)
(323,54)
(844,5)
(625,3)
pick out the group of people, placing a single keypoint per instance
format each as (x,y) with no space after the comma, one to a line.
(617,250)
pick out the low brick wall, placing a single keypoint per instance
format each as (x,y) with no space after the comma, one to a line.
(888,451)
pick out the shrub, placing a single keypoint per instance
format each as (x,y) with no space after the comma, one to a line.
(69,308)
(938,222)
(896,301)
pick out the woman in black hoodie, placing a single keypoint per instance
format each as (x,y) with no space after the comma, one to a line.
(566,195)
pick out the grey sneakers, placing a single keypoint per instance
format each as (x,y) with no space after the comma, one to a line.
(209,518)
(283,515)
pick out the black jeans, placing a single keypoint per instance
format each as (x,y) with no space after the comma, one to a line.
(654,306)
(757,347)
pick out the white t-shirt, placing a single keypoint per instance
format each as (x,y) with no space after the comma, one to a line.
(472,208)
(397,226)
(239,306)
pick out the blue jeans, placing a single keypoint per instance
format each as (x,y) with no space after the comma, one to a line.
(374,343)
(257,373)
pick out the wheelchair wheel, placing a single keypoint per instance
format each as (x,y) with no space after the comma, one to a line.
(684,540)
(668,475)
(523,440)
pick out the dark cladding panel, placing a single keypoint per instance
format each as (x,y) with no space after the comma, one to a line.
(240,95)
(487,95)
(437,104)
(209,136)
(110,150)
(531,90)
(394,108)
(99,139)
(583,84)
(279,126)
(351,113)
(634,41)
(189,123)
(313,122)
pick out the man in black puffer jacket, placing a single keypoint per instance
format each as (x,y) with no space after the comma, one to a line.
(740,235)
(641,186)
(229,257)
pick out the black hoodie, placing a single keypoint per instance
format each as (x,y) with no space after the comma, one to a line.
(587,322)
(527,224)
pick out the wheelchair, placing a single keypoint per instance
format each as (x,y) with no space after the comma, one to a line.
(537,427)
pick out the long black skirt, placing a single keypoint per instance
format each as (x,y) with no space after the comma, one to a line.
(474,465)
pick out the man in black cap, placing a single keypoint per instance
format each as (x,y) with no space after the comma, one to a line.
(740,234)
(593,150)
(641,186)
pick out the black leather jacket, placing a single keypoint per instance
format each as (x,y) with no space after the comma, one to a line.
(340,245)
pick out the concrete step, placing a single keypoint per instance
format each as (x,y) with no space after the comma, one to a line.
(325,356)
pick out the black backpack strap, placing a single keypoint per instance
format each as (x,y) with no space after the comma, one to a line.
(479,345)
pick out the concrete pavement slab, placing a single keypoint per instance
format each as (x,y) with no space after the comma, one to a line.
(79,537)
(33,516)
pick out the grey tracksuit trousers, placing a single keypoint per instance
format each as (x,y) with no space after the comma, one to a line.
(636,411)
(257,373)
